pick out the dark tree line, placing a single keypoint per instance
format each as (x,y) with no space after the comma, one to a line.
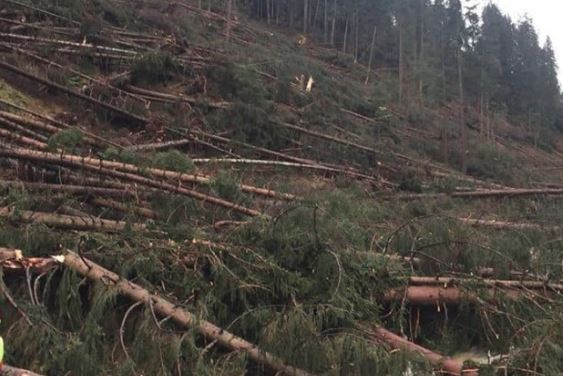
(440,50)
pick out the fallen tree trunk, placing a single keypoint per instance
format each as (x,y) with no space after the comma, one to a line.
(6,370)
(503,225)
(122,207)
(70,189)
(174,98)
(67,221)
(167,174)
(447,281)
(91,138)
(178,315)
(291,158)
(67,43)
(77,162)
(446,365)
(106,106)
(438,295)
(17,138)
(24,131)
(498,193)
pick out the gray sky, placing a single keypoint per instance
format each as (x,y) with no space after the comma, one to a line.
(546,15)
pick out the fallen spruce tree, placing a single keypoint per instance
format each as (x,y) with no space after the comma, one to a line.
(67,221)
(180,316)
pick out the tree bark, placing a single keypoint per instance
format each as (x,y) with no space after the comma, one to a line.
(333,31)
(229,18)
(450,366)
(67,221)
(371,51)
(463,128)
(180,316)
(305,16)
(80,162)
(345,36)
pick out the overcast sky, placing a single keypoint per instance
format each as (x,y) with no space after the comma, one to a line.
(547,17)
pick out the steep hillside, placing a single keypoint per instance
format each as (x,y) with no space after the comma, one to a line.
(184,192)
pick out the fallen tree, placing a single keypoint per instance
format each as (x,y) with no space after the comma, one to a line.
(497,193)
(438,295)
(78,162)
(67,221)
(445,364)
(178,315)
(504,225)
(73,93)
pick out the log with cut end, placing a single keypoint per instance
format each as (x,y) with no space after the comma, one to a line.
(438,295)
(81,162)
(445,364)
(180,316)
(67,221)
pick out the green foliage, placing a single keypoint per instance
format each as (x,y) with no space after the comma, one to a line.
(173,160)
(122,155)
(153,68)
(409,181)
(485,161)
(67,139)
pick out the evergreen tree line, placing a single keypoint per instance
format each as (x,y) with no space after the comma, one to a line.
(439,50)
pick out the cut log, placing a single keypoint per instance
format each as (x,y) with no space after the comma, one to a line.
(178,315)
(438,295)
(22,130)
(6,370)
(67,221)
(445,364)
(79,162)
(504,225)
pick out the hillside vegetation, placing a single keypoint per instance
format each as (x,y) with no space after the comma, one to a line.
(270,187)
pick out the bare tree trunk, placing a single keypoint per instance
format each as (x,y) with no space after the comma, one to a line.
(178,315)
(421,52)
(451,366)
(268,8)
(357,38)
(463,128)
(68,221)
(333,31)
(305,16)
(371,53)
(229,19)
(345,36)
(325,22)
(316,17)
(401,63)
